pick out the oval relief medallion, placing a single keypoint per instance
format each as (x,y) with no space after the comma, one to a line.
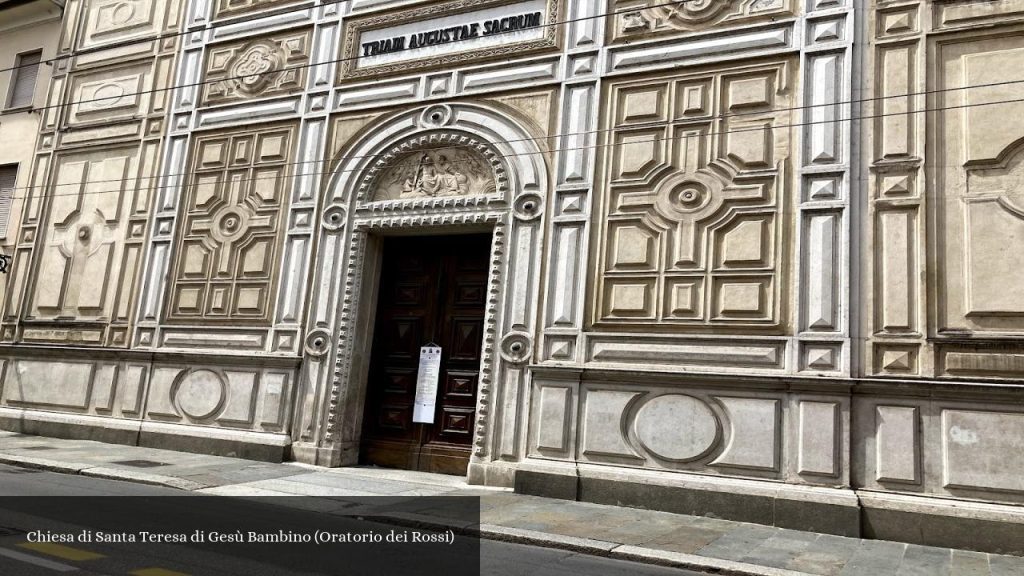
(676,427)
(200,394)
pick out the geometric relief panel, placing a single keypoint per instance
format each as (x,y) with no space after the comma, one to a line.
(669,430)
(693,219)
(109,95)
(230,231)
(257,68)
(982,213)
(229,397)
(688,16)
(105,388)
(110,20)
(88,254)
(227,8)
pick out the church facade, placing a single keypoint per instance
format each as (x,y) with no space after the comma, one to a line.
(761,259)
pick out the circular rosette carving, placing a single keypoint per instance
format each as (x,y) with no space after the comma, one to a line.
(252,67)
(677,428)
(516,347)
(199,394)
(229,223)
(436,116)
(527,206)
(688,196)
(334,217)
(317,342)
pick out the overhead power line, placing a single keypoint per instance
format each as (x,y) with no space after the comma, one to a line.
(345,59)
(549,150)
(654,124)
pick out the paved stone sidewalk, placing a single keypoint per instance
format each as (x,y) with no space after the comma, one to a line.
(641,535)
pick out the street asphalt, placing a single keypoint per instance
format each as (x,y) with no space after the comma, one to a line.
(52,515)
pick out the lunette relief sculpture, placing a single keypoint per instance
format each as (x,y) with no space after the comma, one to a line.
(436,173)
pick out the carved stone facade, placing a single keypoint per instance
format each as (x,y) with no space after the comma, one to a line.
(229,235)
(693,229)
(767,250)
(267,66)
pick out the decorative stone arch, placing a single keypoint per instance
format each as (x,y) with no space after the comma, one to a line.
(329,405)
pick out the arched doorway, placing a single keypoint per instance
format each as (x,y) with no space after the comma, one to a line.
(440,170)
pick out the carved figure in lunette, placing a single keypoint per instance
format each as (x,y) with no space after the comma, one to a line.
(431,178)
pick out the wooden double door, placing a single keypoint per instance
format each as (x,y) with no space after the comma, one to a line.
(432,290)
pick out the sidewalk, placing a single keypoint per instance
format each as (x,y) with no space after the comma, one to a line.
(692,542)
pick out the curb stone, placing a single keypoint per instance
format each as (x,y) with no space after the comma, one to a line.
(696,562)
(142,478)
(41,464)
(589,546)
(100,472)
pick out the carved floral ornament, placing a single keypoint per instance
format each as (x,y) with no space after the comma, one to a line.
(435,165)
(252,69)
(692,14)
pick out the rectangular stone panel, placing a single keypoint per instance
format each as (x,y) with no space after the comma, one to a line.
(822,276)
(674,352)
(896,289)
(275,400)
(105,22)
(552,418)
(110,94)
(754,432)
(896,444)
(818,438)
(48,384)
(983,450)
(602,436)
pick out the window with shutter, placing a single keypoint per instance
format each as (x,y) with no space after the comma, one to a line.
(8,178)
(23,88)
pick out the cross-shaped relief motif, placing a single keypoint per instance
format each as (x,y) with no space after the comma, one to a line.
(82,241)
(230,234)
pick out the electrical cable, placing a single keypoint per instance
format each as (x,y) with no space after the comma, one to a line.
(538,152)
(336,61)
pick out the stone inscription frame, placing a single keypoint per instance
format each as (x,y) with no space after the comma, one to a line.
(354,28)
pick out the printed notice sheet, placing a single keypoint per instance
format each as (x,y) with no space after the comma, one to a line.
(426,384)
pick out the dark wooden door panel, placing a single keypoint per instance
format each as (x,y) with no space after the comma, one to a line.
(432,289)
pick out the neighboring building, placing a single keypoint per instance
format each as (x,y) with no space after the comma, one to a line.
(716,258)
(28,40)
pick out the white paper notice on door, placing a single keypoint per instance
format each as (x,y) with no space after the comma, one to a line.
(426,384)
